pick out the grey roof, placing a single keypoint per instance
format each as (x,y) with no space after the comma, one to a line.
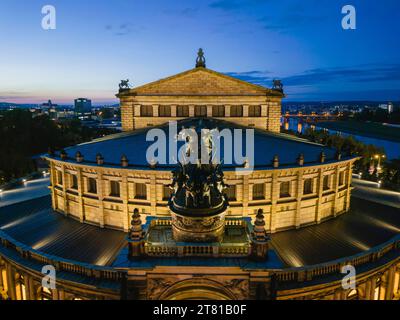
(36,225)
(367,225)
(267,145)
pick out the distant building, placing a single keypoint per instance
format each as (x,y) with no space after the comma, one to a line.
(390,107)
(83,107)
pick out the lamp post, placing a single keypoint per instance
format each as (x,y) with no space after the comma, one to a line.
(379,157)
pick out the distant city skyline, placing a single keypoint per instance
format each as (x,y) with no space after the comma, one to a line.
(300,42)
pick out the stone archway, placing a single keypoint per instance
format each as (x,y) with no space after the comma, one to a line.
(197,289)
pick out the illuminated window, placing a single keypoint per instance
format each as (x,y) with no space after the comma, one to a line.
(59,177)
(200,111)
(308,186)
(218,111)
(254,111)
(146,111)
(164,111)
(326,184)
(167,192)
(231,193)
(92,185)
(341,178)
(259,191)
(115,189)
(236,111)
(140,191)
(4,279)
(74,182)
(285,189)
(182,111)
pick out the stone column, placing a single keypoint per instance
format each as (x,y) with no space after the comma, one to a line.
(274,200)
(209,111)
(320,192)
(155,110)
(11,282)
(245,194)
(152,194)
(336,189)
(245,111)
(390,283)
(191,111)
(127,115)
(64,178)
(125,199)
(173,111)
(227,111)
(101,195)
(52,186)
(299,196)
(349,179)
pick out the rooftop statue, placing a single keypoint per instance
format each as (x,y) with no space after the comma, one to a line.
(200,61)
(124,84)
(277,85)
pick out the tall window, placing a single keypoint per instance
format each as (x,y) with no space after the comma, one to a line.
(200,111)
(92,185)
(146,111)
(74,182)
(59,177)
(115,189)
(140,191)
(182,111)
(231,193)
(259,191)
(236,111)
(396,287)
(285,189)
(308,186)
(164,111)
(167,192)
(218,111)
(254,111)
(326,183)
(341,178)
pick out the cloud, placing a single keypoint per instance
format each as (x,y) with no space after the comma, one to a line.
(370,73)
(120,30)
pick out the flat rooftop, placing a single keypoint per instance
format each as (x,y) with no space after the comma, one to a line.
(35,224)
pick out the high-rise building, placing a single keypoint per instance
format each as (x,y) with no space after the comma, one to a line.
(83,106)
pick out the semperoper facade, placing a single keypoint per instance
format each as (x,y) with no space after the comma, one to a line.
(138,230)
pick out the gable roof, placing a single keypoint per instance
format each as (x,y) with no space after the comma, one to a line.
(200,81)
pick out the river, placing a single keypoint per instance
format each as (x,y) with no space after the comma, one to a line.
(392,148)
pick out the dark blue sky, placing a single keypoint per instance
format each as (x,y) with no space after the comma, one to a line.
(97,43)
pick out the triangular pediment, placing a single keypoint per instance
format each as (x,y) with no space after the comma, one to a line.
(200,81)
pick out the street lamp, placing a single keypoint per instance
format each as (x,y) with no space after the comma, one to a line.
(379,158)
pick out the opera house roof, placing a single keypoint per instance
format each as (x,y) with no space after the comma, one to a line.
(34,224)
(266,145)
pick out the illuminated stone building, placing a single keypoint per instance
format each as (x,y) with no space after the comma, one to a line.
(105,191)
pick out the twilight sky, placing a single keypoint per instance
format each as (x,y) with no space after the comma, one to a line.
(98,43)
